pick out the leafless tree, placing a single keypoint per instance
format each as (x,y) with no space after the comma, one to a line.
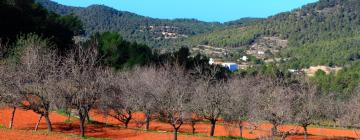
(33,74)
(9,84)
(192,117)
(173,94)
(332,108)
(351,111)
(240,90)
(120,100)
(83,81)
(306,106)
(211,100)
(145,81)
(273,100)
(211,95)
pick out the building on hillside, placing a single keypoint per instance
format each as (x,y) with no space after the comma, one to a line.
(231,66)
(215,61)
(245,58)
(261,53)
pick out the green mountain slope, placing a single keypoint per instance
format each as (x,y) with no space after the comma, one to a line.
(230,37)
(321,33)
(313,32)
(151,31)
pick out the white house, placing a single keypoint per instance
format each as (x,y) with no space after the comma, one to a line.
(211,61)
(261,52)
(244,58)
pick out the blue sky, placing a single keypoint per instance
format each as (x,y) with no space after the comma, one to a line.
(206,10)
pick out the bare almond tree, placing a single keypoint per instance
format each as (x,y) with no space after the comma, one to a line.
(306,106)
(212,99)
(272,102)
(145,81)
(211,94)
(34,73)
(192,117)
(9,90)
(351,110)
(120,100)
(83,82)
(173,94)
(333,108)
(240,90)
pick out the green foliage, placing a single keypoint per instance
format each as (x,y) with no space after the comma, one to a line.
(199,64)
(133,27)
(244,21)
(349,78)
(322,33)
(231,37)
(63,112)
(19,17)
(345,81)
(337,52)
(119,53)
(73,23)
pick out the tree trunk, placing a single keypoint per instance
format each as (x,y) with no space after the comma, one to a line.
(212,130)
(241,127)
(69,120)
(334,123)
(273,131)
(69,115)
(193,123)
(147,120)
(305,132)
(48,122)
(12,118)
(82,123)
(175,133)
(128,119)
(88,118)
(38,123)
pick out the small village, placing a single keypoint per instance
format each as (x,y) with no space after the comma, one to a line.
(264,49)
(166,32)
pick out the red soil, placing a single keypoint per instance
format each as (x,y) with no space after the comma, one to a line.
(262,130)
(25,120)
(6,134)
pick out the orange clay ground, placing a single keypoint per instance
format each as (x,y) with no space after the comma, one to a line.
(25,121)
